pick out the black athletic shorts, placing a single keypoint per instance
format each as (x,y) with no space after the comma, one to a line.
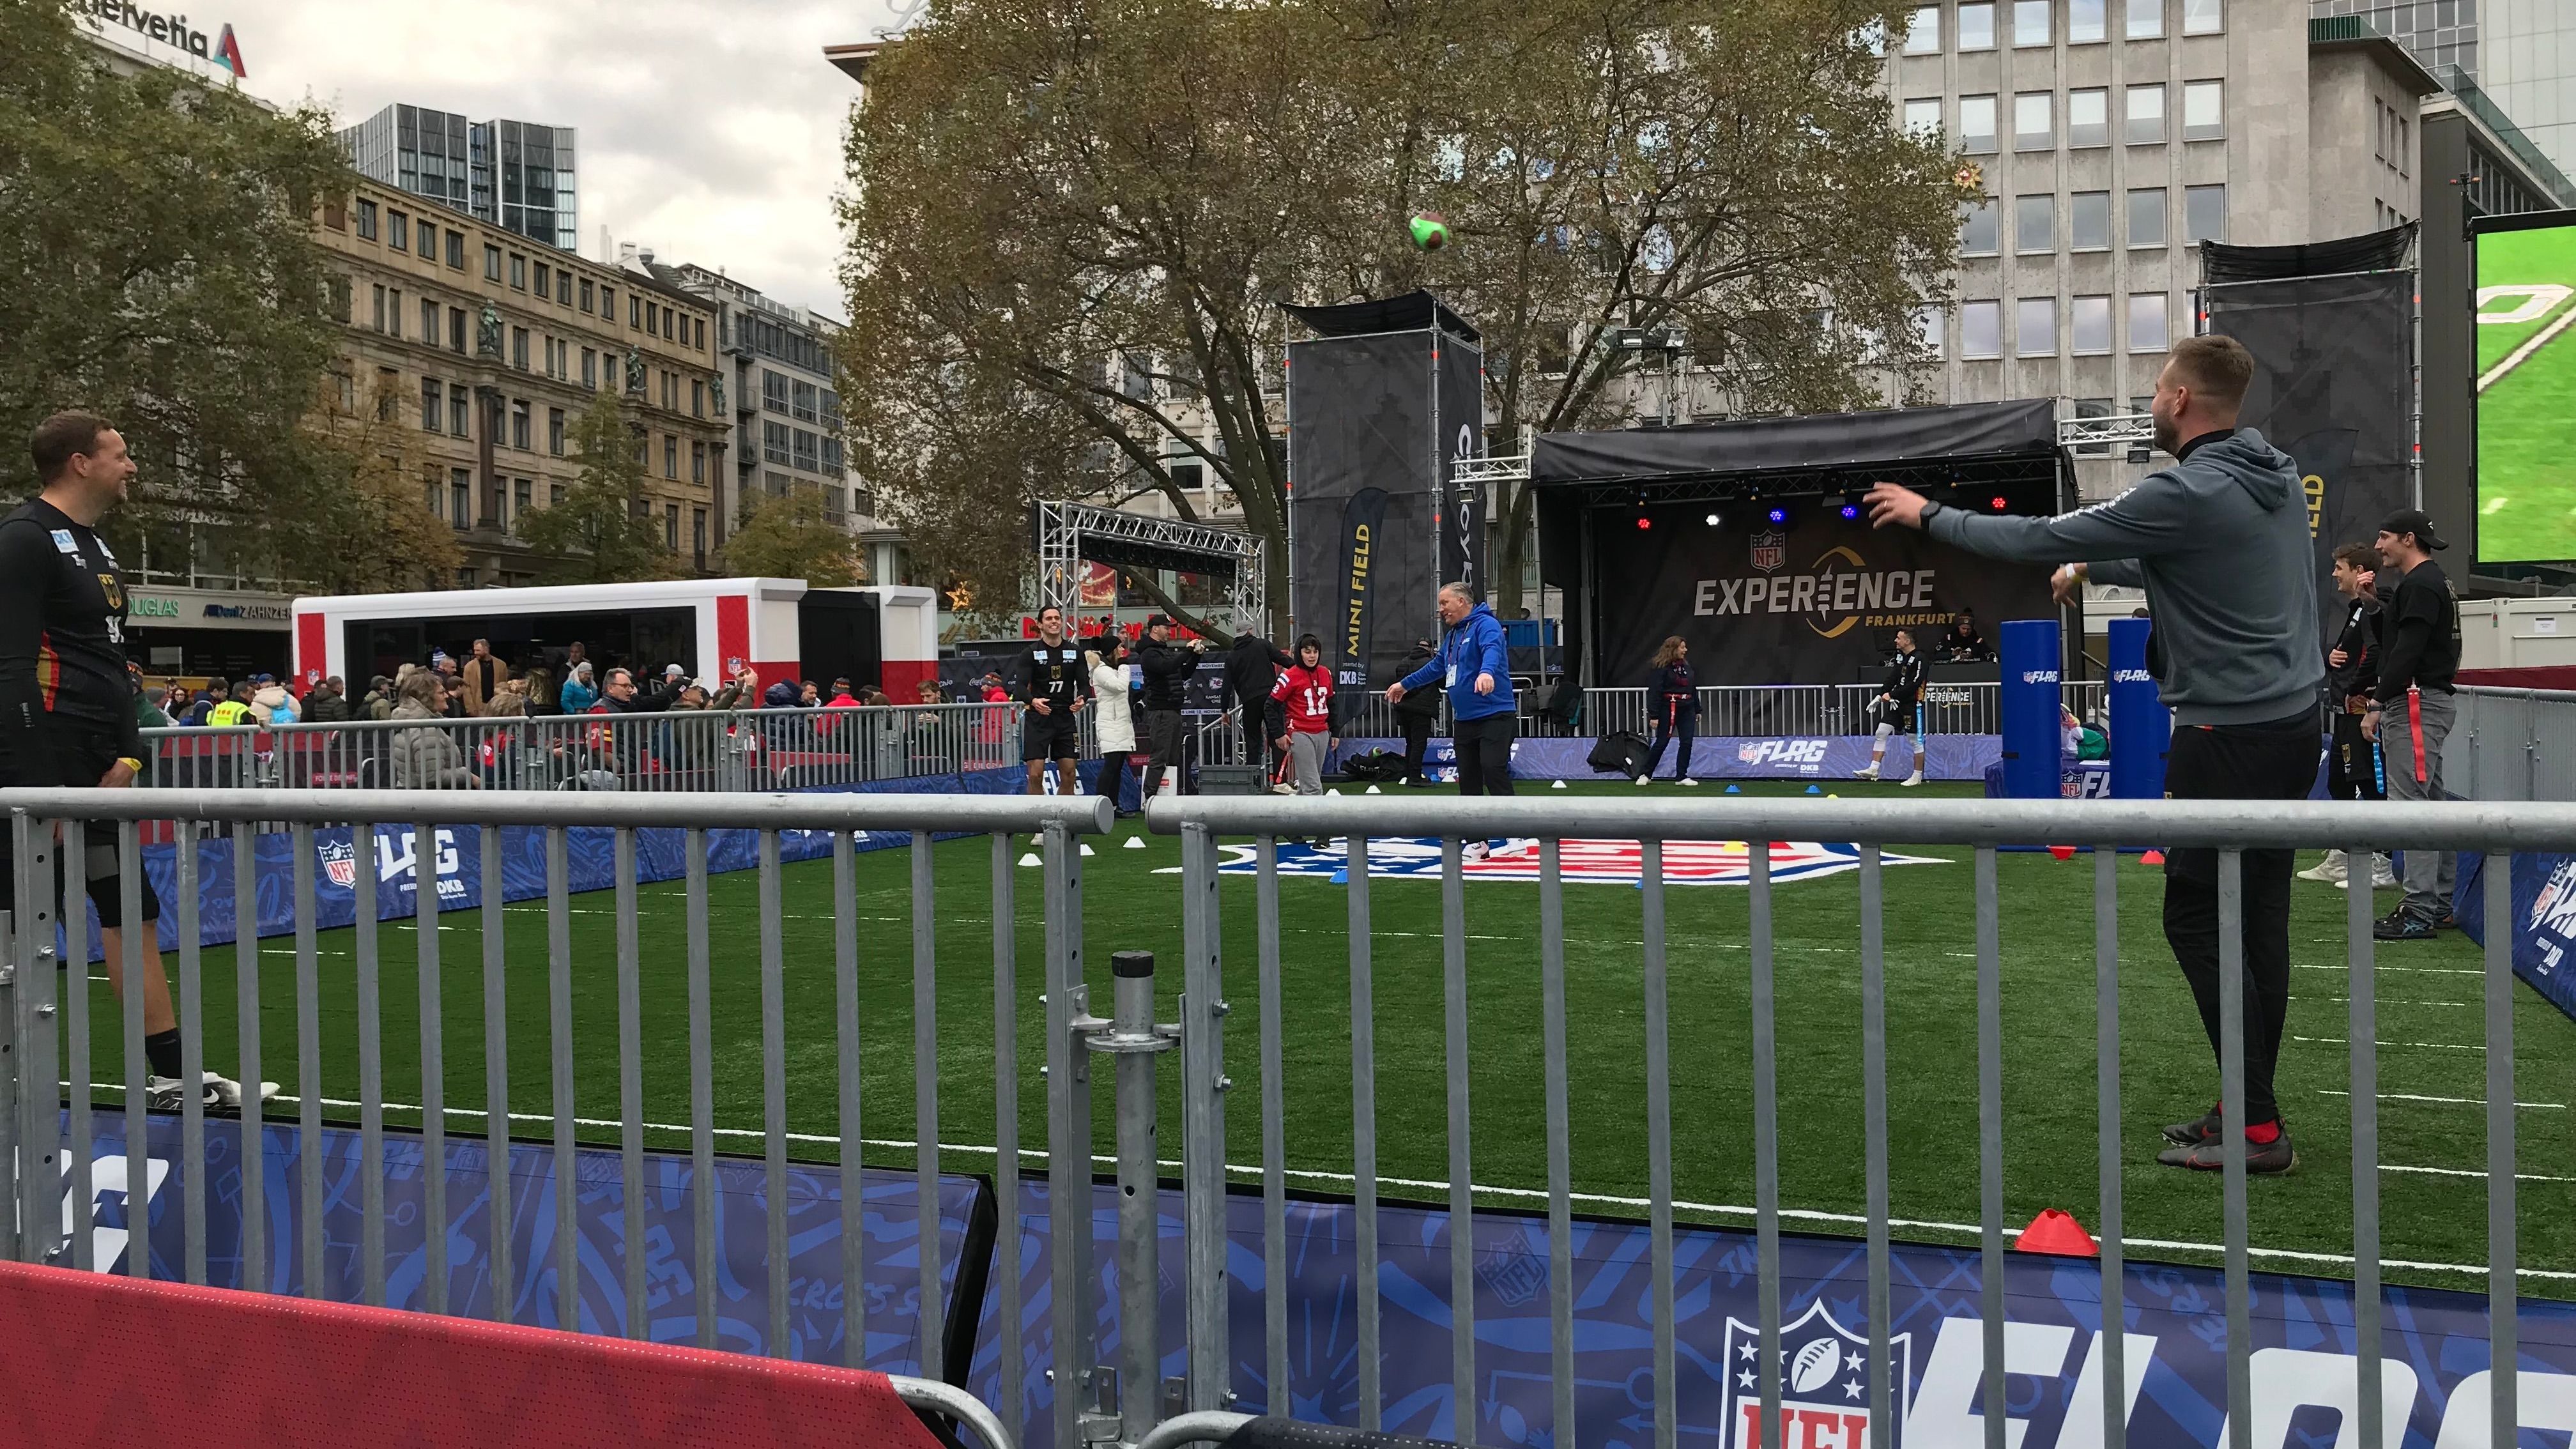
(81,758)
(1056,736)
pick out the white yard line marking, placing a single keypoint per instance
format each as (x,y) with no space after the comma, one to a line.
(1432,1185)
(2521,354)
(2436,1046)
(2417,970)
(2468,1172)
(2449,1101)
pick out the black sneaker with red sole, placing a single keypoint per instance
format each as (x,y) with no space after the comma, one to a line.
(2262,1159)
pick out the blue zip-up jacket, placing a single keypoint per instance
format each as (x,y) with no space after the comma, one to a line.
(1472,646)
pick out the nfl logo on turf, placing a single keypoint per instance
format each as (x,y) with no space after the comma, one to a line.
(1770,550)
(1824,1393)
(339,862)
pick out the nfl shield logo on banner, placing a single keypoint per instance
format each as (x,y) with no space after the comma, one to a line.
(339,862)
(1770,550)
(1824,1390)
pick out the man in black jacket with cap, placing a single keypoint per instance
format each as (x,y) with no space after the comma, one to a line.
(1167,667)
(2419,624)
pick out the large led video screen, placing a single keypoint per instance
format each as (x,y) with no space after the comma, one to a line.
(2526,389)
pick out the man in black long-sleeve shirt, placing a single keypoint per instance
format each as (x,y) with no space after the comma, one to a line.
(2419,659)
(2352,674)
(67,704)
(1053,686)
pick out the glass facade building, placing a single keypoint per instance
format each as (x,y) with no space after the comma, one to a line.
(516,175)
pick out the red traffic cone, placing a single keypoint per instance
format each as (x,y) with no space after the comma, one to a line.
(2152,857)
(2056,1232)
(2062,852)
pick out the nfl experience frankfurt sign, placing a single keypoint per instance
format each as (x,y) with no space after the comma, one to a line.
(1814,601)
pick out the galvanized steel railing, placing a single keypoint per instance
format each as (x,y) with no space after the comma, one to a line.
(2513,744)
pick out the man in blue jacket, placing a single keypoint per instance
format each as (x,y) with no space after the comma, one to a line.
(2219,541)
(1476,670)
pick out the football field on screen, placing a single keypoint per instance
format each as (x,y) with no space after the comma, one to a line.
(2431,1043)
(2526,348)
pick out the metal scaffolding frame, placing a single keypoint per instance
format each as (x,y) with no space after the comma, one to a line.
(1068,533)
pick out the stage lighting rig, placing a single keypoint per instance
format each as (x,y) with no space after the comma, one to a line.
(1777,514)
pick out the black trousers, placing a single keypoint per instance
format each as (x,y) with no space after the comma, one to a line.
(1417,739)
(1484,754)
(2271,761)
(1682,721)
(1251,715)
(2352,770)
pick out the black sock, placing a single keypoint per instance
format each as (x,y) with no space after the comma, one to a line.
(161,1049)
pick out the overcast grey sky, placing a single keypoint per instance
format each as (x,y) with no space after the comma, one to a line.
(709,131)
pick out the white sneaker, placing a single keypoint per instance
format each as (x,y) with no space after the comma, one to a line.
(2333,870)
(222,1094)
(2382,877)
(1642,781)
(1283,788)
(1688,783)
(1866,772)
(1475,850)
(230,1091)
(1914,779)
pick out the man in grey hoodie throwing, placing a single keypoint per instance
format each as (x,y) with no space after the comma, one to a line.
(2219,541)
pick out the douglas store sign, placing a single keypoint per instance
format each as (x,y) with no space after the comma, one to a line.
(171,29)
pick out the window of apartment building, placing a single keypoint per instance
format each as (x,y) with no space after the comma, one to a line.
(805,402)
(398,231)
(773,390)
(519,424)
(456,329)
(428,242)
(2146,116)
(2088,118)
(2203,116)
(2146,20)
(2204,213)
(366,221)
(832,457)
(433,492)
(563,288)
(518,271)
(589,369)
(2084,21)
(555,431)
(523,497)
(491,262)
(698,531)
(2035,327)
(456,249)
(2088,221)
(585,294)
(1977,26)
(701,325)
(2404,144)
(380,309)
(643,448)
(1923,31)
(697,397)
(393,310)
(667,317)
(2092,409)
(2030,23)
(519,348)
(2088,325)
(652,310)
(831,410)
(341,300)
(2035,223)
(501,514)
(1928,335)
(671,527)
(671,456)
(2203,17)
(1977,223)
(433,405)
(460,498)
(1977,124)
(429,321)
(608,303)
(809,452)
(1981,329)
(1923,116)
(697,462)
(1977,228)
(2147,217)
(555,495)
(2147,323)
(545,279)
(774,441)
(2034,121)
(460,410)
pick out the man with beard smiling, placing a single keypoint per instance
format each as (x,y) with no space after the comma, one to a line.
(2219,541)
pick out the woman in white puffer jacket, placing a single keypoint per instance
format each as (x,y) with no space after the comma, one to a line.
(1114,716)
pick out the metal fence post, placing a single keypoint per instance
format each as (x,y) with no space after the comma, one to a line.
(1132,1037)
(40,1151)
(1203,1085)
(9,1088)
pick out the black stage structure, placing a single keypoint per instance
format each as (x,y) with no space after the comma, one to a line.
(1661,531)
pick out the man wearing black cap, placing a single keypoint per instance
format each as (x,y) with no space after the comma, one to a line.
(2419,658)
(1167,668)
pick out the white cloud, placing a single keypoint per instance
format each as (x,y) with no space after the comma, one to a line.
(710,132)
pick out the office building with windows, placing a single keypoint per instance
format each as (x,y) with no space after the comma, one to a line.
(2520,54)
(515,175)
(478,352)
(2110,136)
(784,402)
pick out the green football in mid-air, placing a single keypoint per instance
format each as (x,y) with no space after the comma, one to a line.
(1430,231)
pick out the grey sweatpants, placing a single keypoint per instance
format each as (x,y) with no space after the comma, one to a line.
(2430,874)
(1306,752)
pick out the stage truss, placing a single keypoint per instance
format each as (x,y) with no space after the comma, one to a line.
(2126,429)
(1070,534)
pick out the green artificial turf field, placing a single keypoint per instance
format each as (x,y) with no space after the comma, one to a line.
(2527,399)
(2432,1060)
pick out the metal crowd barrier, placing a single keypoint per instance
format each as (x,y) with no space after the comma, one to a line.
(2512,744)
(1972,708)
(2229,827)
(675,751)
